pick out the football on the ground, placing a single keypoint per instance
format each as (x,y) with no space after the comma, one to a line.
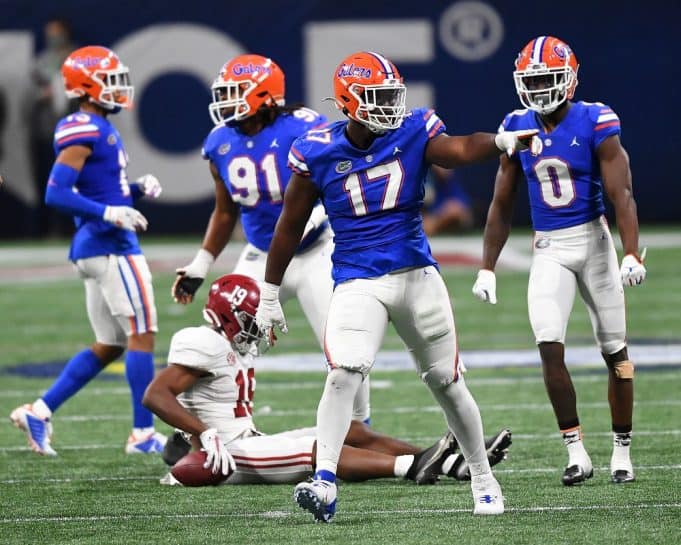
(189,471)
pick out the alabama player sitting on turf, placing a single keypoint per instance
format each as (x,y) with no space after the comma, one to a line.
(369,173)
(573,248)
(207,391)
(247,153)
(89,182)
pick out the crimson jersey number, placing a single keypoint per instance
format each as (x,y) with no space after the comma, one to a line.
(244,402)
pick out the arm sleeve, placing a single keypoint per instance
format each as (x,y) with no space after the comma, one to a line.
(61,194)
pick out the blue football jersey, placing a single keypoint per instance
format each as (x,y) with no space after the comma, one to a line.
(255,172)
(373,197)
(103,179)
(564,181)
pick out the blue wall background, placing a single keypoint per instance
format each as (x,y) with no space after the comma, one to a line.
(629,55)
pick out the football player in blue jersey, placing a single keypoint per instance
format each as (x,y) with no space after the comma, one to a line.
(248,153)
(369,172)
(573,249)
(89,182)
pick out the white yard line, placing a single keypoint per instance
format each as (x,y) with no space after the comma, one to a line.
(298,514)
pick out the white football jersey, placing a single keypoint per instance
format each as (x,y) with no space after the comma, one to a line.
(223,399)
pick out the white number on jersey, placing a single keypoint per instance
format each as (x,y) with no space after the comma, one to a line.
(243,175)
(555,181)
(123,179)
(394,175)
(306,114)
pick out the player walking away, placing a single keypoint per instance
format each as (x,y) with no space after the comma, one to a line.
(369,172)
(573,248)
(207,391)
(89,182)
(247,153)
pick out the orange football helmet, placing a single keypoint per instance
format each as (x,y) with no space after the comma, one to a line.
(243,85)
(545,74)
(368,88)
(97,72)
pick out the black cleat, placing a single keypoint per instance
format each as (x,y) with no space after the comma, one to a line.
(497,449)
(427,465)
(175,448)
(621,476)
(576,474)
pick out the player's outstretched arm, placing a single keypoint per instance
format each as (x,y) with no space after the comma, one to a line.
(614,164)
(497,226)
(453,151)
(299,199)
(219,231)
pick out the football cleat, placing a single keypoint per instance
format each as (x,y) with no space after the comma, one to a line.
(621,476)
(487,496)
(621,471)
(427,465)
(176,447)
(578,473)
(38,430)
(151,443)
(497,449)
(318,497)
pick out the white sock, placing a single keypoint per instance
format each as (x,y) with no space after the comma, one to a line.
(572,439)
(334,415)
(402,464)
(463,418)
(142,432)
(621,443)
(41,409)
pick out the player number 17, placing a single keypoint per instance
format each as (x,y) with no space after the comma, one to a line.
(391,172)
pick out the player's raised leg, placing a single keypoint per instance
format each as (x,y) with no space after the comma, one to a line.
(426,324)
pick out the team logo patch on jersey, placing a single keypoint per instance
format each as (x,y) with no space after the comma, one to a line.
(111,140)
(542,243)
(224,149)
(369,158)
(343,166)
(231,358)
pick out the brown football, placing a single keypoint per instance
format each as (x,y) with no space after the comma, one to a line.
(190,471)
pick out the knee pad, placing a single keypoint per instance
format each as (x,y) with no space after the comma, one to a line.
(624,370)
(440,374)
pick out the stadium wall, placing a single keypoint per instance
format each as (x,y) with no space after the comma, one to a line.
(457,56)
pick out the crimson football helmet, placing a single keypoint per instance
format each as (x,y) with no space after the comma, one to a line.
(545,74)
(98,73)
(243,85)
(232,303)
(368,88)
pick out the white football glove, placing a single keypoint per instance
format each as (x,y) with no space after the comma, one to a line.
(149,185)
(512,141)
(190,277)
(485,287)
(633,272)
(126,218)
(217,456)
(317,217)
(269,312)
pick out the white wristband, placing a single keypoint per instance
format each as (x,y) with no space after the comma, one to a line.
(201,263)
(269,292)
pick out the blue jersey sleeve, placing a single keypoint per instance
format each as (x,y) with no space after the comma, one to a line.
(304,149)
(76,130)
(432,124)
(606,122)
(212,143)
